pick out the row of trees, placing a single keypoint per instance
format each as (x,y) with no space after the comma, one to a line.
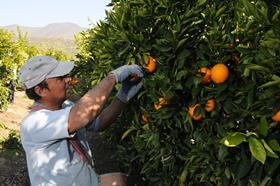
(235,144)
(13,53)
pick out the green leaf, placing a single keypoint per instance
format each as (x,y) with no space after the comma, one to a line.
(258,68)
(257,149)
(183,176)
(246,72)
(234,139)
(263,127)
(127,132)
(200,2)
(162,48)
(227,172)
(123,51)
(181,74)
(243,167)
(250,98)
(269,84)
(182,58)
(223,152)
(275,78)
(269,150)
(274,145)
(181,42)
(220,11)
(265,181)
(273,168)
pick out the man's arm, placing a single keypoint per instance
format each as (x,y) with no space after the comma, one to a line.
(127,91)
(109,114)
(90,104)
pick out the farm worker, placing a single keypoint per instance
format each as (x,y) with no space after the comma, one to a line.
(53,132)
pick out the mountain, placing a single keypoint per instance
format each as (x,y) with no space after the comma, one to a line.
(58,36)
(54,30)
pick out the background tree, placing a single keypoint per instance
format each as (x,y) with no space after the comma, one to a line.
(14,53)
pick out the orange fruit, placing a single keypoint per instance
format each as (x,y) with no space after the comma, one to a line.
(151,65)
(191,111)
(219,73)
(276,116)
(160,102)
(210,105)
(144,119)
(206,79)
(73,82)
(134,78)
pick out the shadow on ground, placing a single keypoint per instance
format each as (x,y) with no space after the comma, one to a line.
(14,170)
(12,162)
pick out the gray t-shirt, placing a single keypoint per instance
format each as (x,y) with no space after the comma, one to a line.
(51,160)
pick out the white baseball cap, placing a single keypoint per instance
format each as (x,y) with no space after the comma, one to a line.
(39,68)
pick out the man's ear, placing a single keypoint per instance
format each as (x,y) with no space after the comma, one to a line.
(40,91)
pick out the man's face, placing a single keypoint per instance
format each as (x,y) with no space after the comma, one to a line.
(57,88)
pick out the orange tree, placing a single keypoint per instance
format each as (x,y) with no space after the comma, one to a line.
(13,53)
(234,143)
(6,45)
(11,57)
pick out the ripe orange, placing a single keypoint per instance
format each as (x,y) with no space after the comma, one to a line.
(151,65)
(206,79)
(276,116)
(219,73)
(210,105)
(73,82)
(134,78)
(191,111)
(160,102)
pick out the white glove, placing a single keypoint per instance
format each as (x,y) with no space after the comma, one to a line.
(124,71)
(128,90)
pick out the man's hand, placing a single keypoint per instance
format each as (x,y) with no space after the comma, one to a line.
(123,72)
(128,90)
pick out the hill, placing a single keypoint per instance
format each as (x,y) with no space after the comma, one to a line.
(56,35)
(55,30)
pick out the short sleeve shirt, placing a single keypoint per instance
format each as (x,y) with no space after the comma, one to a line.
(51,160)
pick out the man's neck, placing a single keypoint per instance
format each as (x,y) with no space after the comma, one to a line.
(48,105)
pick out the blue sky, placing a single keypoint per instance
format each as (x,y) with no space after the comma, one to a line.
(38,13)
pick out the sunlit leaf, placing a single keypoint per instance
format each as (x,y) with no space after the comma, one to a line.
(257,149)
(269,150)
(233,139)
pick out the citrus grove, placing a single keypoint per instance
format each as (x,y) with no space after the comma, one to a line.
(209,109)
(13,53)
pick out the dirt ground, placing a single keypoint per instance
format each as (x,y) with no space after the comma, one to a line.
(12,161)
(14,113)
(13,169)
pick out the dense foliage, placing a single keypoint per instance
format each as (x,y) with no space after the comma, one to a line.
(10,57)
(235,144)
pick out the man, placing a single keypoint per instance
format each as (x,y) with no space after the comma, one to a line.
(53,133)
(11,94)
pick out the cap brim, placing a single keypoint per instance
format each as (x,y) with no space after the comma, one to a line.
(63,68)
